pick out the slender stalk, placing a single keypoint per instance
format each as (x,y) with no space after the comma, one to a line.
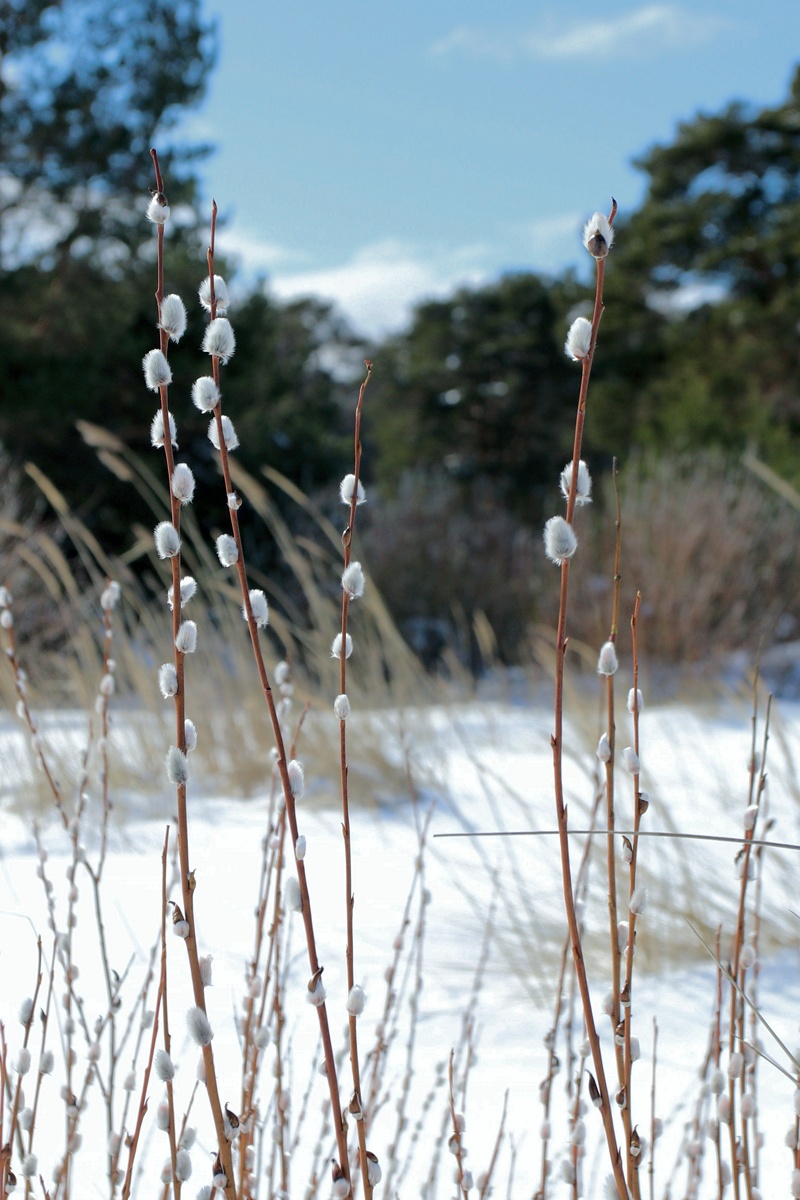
(187,879)
(557,743)
(282,762)
(356,1104)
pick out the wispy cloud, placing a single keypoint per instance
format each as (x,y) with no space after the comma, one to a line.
(380,284)
(639,33)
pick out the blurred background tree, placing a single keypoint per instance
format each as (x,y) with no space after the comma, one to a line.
(469,417)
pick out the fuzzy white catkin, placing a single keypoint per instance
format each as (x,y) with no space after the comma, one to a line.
(221,297)
(25,1011)
(173,317)
(630,760)
(297,783)
(229,435)
(183,1165)
(747,957)
(300,848)
(157,371)
(205,393)
(598,235)
(259,608)
(48,1061)
(374,1172)
(219,340)
(188,589)
(30,1165)
(336,646)
(158,209)
(190,734)
(635,701)
(167,680)
(346,490)
(579,339)
(316,995)
(736,1065)
(607,661)
(795,1184)
(157,430)
(177,766)
(341,707)
(353,581)
(206,969)
(560,542)
(291,895)
(356,1001)
(199,1026)
(163,1066)
(227,550)
(186,637)
(750,816)
(183,483)
(167,539)
(583,489)
(638,901)
(23,1063)
(109,597)
(604,748)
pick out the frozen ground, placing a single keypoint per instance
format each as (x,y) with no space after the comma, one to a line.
(489,769)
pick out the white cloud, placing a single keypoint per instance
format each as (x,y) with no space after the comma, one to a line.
(379,286)
(643,31)
(254,255)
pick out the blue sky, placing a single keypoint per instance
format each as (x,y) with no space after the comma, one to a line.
(379,152)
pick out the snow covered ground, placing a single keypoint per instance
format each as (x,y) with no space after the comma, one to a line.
(489,769)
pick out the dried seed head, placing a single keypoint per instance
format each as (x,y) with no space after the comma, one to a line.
(560,542)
